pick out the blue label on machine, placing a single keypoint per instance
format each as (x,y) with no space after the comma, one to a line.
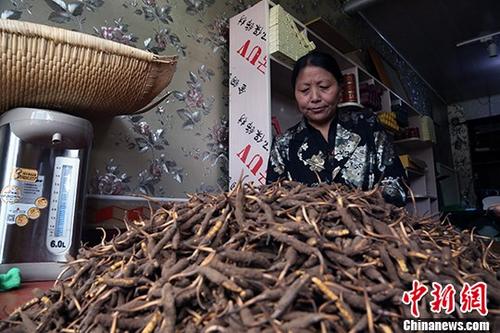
(62,204)
(63,200)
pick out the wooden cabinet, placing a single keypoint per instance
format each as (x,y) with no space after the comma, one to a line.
(282,106)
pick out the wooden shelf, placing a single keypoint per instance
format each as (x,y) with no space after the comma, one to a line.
(398,101)
(322,45)
(445,167)
(421,197)
(330,35)
(414,173)
(389,130)
(413,143)
(350,104)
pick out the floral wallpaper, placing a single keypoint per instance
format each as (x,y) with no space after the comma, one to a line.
(181,146)
(460,147)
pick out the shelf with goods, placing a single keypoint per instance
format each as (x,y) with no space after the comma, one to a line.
(423,207)
(374,96)
(413,143)
(423,181)
(283,110)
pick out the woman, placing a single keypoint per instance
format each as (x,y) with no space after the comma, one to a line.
(329,145)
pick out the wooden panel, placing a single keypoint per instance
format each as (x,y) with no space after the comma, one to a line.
(330,35)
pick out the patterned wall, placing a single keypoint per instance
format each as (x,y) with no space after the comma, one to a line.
(460,147)
(180,146)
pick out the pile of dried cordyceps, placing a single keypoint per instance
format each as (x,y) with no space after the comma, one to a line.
(279,259)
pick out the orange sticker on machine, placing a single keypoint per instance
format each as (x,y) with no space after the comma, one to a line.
(33,213)
(25,175)
(41,202)
(21,220)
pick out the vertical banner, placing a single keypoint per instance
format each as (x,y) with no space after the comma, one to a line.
(250,134)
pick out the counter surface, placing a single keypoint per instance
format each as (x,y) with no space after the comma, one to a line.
(10,300)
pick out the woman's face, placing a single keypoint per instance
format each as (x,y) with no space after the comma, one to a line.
(317,94)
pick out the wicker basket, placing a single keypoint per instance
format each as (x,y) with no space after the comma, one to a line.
(72,72)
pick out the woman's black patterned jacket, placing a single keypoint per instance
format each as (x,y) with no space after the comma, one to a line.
(358,153)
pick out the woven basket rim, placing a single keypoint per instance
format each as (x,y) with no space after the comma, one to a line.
(79,39)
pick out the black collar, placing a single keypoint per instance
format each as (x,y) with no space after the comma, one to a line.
(332,130)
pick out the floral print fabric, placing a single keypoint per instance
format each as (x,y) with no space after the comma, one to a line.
(358,153)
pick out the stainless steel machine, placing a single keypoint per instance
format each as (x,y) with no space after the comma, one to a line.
(43,165)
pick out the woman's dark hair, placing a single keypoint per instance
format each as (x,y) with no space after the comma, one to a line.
(318,59)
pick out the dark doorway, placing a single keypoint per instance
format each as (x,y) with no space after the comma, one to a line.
(484,137)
